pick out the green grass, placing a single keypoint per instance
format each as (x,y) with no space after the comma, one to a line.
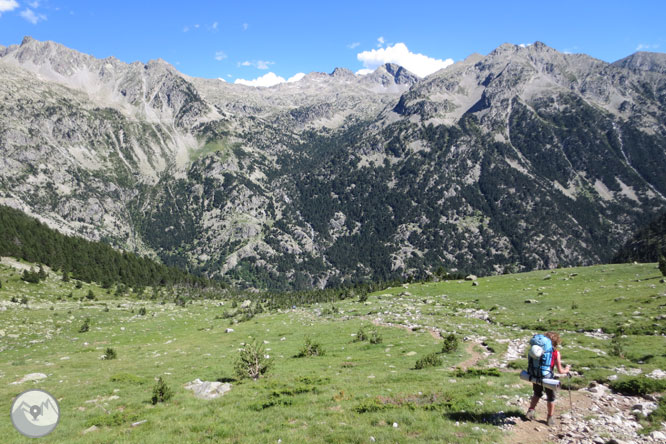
(208,148)
(354,391)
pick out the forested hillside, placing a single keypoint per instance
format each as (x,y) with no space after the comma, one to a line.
(26,238)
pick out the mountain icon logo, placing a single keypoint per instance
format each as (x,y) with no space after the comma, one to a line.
(35,413)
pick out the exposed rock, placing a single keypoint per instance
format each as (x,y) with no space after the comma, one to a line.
(30,377)
(90,429)
(208,389)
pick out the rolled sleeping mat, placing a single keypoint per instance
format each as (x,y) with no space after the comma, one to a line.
(552,384)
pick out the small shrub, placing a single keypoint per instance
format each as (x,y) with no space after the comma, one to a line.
(361,335)
(476,372)
(371,405)
(617,346)
(142,311)
(24,300)
(574,306)
(0,284)
(127,378)
(31,276)
(161,392)
(375,338)
(429,360)
(662,264)
(450,343)
(85,326)
(638,385)
(310,349)
(363,297)
(78,285)
(14,299)
(90,295)
(110,354)
(252,363)
(113,419)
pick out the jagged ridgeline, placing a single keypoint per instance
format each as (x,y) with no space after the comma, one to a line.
(522,159)
(26,238)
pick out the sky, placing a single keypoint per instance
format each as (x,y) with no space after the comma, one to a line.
(265,42)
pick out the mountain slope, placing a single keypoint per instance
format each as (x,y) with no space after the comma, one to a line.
(524,158)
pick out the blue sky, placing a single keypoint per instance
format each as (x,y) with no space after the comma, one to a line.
(256,39)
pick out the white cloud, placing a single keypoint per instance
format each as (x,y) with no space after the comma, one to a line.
(214,26)
(645,47)
(220,55)
(296,77)
(353,45)
(34,4)
(263,64)
(185,29)
(30,16)
(197,26)
(8,5)
(268,79)
(364,72)
(419,64)
(259,64)
(380,42)
(245,26)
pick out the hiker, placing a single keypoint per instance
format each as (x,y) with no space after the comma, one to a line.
(555,361)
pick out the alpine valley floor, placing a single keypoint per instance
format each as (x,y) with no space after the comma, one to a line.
(611,318)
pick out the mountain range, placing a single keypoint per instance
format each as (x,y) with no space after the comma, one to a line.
(521,159)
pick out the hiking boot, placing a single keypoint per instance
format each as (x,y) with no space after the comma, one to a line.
(551,421)
(531,415)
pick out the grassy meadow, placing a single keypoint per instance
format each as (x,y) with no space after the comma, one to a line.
(356,392)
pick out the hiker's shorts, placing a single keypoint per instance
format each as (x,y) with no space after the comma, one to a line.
(538,392)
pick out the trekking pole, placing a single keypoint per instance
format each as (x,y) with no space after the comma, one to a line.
(570,402)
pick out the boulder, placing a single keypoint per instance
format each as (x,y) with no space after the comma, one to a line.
(30,377)
(471,277)
(246,303)
(208,389)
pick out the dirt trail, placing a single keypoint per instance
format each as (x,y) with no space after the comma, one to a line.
(536,432)
(474,356)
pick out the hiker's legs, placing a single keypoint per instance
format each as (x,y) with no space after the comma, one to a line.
(551,408)
(550,397)
(538,391)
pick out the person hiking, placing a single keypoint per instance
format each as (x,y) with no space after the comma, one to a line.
(555,362)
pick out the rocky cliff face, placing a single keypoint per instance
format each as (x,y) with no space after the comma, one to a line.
(520,159)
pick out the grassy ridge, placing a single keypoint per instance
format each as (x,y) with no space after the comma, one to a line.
(355,391)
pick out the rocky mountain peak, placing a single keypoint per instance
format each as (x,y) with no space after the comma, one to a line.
(343,73)
(392,74)
(644,61)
